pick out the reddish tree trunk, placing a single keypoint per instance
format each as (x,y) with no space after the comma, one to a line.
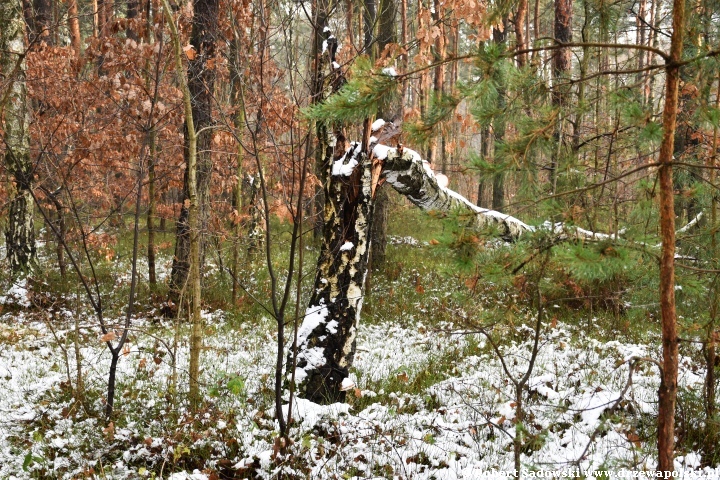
(520,31)
(667,393)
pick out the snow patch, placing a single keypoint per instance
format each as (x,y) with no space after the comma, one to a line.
(311,413)
(343,167)
(390,71)
(377,125)
(314,358)
(314,317)
(17,294)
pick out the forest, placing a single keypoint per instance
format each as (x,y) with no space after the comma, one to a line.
(406,239)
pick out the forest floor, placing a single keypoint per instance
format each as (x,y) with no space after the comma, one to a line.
(432,398)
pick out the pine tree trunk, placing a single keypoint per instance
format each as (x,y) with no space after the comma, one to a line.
(201,82)
(74,27)
(711,430)
(520,17)
(20,233)
(667,393)
(498,181)
(561,68)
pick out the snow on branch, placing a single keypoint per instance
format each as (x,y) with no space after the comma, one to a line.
(406,171)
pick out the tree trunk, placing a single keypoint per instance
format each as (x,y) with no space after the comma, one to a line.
(316,93)
(74,27)
(520,31)
(131,13)
(387,25)
(201,82)
(193,213)
(561,68)
(378,234)
(711,430)
(326,339)
(238,99)
(498,181)
(667,393)
(42,22)
(369,17)
(439,74)
(20,233)
(152,276)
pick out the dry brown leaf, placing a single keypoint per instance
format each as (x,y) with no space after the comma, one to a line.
(108,337)
(190,52)
(109,431)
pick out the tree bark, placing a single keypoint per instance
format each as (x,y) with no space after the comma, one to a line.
(40,21)
(238,98)
(193,214)
(131,13)
(74,27)
(667,393)
(520,17)
(316,94)
(326,339)
(369,17)
(201,82)
(20,232)
(561,67)
(152,276)
(378,234)
(498,181)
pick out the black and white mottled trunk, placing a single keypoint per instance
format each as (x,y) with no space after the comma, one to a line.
(326,339)
(20,233)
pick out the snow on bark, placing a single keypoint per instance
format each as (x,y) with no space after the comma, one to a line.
(20,233)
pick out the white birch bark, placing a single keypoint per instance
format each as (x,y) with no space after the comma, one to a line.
(20,232)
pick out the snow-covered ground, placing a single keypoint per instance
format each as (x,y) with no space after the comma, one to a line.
(461,426)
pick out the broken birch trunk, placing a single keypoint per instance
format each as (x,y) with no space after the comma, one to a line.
(326,338)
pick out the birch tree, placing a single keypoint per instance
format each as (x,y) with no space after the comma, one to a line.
(15,114)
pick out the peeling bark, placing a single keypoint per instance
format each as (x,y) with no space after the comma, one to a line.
(20,233)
